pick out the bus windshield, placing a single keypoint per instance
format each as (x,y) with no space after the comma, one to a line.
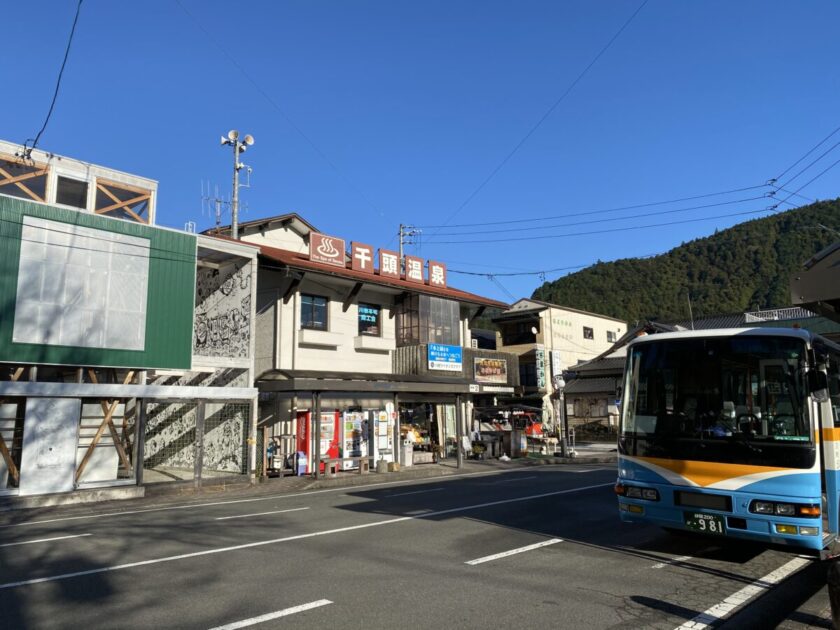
(722,394)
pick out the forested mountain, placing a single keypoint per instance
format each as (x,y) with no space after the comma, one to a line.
(743,268)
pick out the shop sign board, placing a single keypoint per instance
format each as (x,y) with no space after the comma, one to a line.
(326,249)
(446,358)
(361,257)
(556,363)
(489,370)
(539,354)
(496,389)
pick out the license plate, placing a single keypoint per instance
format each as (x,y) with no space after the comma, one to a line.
(705,523)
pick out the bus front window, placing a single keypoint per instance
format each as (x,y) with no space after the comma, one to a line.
(714,391)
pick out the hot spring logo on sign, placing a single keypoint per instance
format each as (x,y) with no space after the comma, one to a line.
(447,358)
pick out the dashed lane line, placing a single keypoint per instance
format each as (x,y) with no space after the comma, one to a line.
(512,552)
(275,615)
(43,540)
(227,518)
(327,532)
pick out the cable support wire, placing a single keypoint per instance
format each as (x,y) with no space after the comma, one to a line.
(624,218)
(605,211)
(27,150)
(545,116)
(808,183)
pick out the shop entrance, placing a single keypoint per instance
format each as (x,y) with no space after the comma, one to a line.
(430,430)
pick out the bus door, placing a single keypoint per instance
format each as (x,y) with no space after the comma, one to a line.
(828,414)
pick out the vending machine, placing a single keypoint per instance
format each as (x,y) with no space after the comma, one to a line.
(355,437)
(330,438)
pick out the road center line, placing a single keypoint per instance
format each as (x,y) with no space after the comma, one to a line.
(665,563)
(40,540)
(405,494)
(326,532)
(227,518)
(512,552)
(494,483)
(275,615)
(719,611)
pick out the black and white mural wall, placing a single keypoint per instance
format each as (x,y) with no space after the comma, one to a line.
(223,312)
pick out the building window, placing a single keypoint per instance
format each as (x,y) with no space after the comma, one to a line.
(71,192)
(611,336)
(588,333)
(369,320)
(122,201)
(528,374)
(518,333)
(427,319)
(313,312)
(24,179)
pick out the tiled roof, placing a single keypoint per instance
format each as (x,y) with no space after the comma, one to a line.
(301,261)
(604,385)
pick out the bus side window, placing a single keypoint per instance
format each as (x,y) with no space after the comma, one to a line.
(834,386)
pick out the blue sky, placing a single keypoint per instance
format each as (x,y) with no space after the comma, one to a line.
(368,114)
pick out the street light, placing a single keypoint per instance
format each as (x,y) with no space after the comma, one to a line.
(239,146)
(559,386)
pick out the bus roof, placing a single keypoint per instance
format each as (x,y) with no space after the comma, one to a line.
(726,332)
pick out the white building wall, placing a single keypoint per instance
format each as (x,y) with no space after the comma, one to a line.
(279,237)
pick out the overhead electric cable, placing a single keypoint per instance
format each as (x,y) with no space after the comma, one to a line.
(821,156)
(607,231)
(274,104)
(810,151)
(624,218)
(809,182)
(27,150)
(617,209)
(545,116)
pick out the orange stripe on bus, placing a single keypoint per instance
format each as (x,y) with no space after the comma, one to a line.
(707,473)
(831,435)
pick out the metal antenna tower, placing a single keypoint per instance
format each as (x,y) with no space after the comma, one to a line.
(212,203)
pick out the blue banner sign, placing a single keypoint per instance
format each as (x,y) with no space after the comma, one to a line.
(448,358)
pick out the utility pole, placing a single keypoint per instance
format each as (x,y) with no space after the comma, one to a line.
(406,234)
(238,147)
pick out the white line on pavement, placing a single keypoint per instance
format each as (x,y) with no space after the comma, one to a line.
(512,552)
(665,563)
(724,608)
(207,552)
(268,617)
(493,483)
(405,494)
(191,506)
(40,540)
(227,518)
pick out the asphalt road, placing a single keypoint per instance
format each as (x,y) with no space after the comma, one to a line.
(536,547)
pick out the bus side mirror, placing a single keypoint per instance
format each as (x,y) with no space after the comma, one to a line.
(818,385)
(618,392)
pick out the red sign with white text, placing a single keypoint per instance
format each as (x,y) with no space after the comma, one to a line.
(389,264)
(414,269)
(437,274)
(361,257)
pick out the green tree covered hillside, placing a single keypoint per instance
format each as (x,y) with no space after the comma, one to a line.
(743,268)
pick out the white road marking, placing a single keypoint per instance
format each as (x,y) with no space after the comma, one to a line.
(227,518)
(326,532)
(275,615)
(493,483)
(405,494)
(512,552)
(40,540)
(191,506)
(721,610)
(659,565)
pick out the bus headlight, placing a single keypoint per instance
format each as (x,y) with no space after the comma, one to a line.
(762,507)
(785,509)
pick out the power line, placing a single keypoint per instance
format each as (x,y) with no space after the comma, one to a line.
(624,218)
(814,148)
(545,115)
(822,155)
(808,183)
(617,209)
(274,104)
(607,231)
(27,150)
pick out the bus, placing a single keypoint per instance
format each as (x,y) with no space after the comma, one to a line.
(733,433)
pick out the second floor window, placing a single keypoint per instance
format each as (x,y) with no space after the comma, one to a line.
(313,312)
(611,336)
(369,320)
(588,333)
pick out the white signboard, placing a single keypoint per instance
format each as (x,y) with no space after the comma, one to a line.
(81,287)
(50,434)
